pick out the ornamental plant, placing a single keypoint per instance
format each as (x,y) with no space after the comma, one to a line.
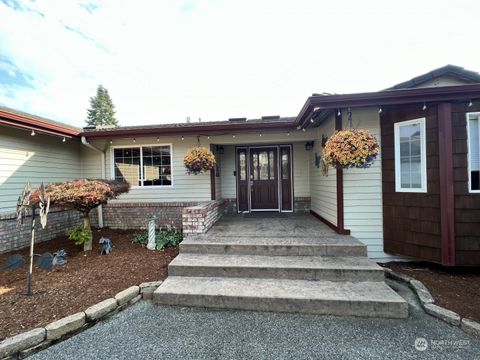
(351,148)
(83,196)
(198,160)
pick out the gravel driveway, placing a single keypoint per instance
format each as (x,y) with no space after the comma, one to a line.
(147,331)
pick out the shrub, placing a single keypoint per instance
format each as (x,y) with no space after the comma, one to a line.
(80,234)
(163,239)
(82,195)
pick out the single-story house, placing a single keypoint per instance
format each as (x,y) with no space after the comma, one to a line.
(420,199)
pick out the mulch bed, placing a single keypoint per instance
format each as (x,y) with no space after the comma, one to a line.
(85,280)
(456,289)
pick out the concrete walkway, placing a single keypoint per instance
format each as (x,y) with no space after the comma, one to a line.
(146,331)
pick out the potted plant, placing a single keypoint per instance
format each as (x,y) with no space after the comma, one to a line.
(351,148)
(198,160)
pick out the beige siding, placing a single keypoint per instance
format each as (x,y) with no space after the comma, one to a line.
(91,163)
(323,189)
(301,170)
(227,168)
(363,190)
(33,158)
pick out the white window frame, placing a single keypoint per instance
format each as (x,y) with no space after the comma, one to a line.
(423,148)
(141,187)
(468,150)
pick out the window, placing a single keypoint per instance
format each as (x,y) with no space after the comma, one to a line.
(410,156)
(143,166)
(473,130)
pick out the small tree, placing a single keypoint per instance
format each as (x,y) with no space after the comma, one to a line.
(101,110)
(84,196)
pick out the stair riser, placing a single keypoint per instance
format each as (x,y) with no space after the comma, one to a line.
(277,273)
(275,250)
(320,307)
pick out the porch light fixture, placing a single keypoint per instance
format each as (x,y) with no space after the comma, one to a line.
(32,133)
(309,145)
(470,104)
(424,107)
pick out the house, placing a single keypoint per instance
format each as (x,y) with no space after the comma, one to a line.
(420,199)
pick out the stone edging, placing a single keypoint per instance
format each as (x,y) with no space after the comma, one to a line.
(469,326)
(27,343)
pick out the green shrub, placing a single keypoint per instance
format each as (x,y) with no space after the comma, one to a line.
(80,234)
(163,239)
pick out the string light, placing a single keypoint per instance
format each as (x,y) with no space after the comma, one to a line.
(32,133)
(134,140)
(208,137)
(288,133)
(111,142)
(304,130)
(63,140)
(379,109)
(233,136)
(260,134)
(158,139)
(312,121)
(339,113)
(183,138)
(470,104)
(424,107)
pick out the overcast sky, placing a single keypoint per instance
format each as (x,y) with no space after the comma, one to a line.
(165,60)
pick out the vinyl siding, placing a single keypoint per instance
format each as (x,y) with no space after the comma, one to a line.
(91,163)
(323,189)
(363,190)
(227,160)
(33,158)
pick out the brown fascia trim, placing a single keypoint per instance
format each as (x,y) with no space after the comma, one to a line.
(197,129)
(19,121)
(386,97)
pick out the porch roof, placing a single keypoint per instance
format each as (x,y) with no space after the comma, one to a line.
(316,105)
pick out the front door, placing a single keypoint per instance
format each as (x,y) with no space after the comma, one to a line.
(264,178)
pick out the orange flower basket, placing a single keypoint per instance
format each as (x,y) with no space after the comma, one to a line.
(351,148)
(198,160)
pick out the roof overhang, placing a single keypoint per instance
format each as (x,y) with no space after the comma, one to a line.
(193,129)
(315,104)
(42,127)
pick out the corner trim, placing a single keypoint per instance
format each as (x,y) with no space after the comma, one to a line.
(330,224)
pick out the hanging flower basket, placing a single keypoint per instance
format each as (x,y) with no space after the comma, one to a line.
(198,160)
(351,148)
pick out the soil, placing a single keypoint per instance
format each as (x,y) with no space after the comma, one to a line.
(456,289)
(86,279)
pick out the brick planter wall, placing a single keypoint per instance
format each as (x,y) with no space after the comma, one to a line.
(200,218)
(13,237)
(137,215)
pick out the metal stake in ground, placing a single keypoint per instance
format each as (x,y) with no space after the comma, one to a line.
(30,269)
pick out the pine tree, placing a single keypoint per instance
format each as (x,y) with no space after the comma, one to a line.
(101,110)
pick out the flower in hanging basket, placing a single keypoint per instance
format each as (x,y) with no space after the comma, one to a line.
(198,160)
(351,148)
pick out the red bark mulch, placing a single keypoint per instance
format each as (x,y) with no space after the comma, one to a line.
(85,280)
(456,289)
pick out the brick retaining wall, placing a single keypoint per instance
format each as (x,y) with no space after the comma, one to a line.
(15,237)
(200,218)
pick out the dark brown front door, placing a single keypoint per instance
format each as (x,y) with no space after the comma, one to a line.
(264,178)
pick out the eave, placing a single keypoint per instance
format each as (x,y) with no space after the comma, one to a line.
(388,97)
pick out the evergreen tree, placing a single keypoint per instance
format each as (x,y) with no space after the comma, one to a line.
(101,110)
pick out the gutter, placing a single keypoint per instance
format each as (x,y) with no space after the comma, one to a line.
(102,155)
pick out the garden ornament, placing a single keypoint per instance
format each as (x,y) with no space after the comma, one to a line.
(107,245)
(151,245)
(59,257)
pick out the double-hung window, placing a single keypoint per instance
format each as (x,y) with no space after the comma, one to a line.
(410,156)
(143,165)
(473,130)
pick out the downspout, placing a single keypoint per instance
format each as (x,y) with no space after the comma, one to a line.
(102,155)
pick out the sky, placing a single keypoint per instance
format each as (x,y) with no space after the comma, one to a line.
(164,60)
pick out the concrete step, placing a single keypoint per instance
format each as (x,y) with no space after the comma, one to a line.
(276,267)
(369,299)
(338,245)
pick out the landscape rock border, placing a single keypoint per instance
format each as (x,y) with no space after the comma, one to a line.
(471,327)
(29,342)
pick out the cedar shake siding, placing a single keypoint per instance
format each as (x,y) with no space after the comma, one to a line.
(411,221)
(467,205)
(412,225)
